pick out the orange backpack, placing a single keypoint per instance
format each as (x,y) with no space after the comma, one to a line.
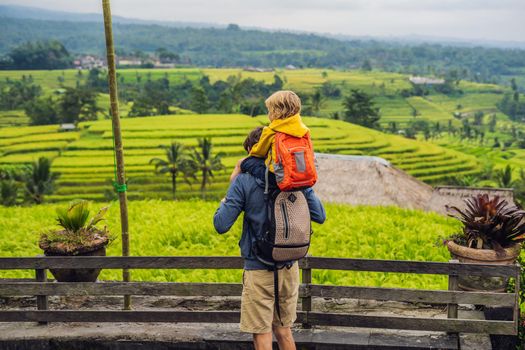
(294,167)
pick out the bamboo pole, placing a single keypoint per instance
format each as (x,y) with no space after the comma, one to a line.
(119,151)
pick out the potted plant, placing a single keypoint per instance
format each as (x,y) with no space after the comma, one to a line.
(78,236)
(492,234)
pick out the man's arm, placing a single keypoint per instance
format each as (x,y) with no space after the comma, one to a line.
(317,212)
(230,208)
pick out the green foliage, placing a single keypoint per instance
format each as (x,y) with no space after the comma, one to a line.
(361,110)
(75,217)
(42,111)
(40,180)
(8,192)
(203,160)
(489,223)
(78,104)
(504,177)
(40,55)
(14,94)
(78,234)
(177,162)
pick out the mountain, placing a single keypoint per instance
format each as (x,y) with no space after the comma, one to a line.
(236,47)
(27,12)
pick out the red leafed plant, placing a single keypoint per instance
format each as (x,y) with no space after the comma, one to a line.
(489,223)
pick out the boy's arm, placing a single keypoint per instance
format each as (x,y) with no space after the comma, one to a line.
(317,212)
(261,148)
(230,208)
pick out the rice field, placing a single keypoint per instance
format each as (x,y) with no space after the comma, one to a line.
(84,158)
(163,228)
(385,86)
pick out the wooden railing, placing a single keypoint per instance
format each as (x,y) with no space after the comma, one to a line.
(307,316)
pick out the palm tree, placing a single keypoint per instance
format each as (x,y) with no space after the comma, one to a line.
(175,164)
(40,180)
(204,161)
(318,101)
(504,177)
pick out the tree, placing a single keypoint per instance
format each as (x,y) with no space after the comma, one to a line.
(318,101)
(166,56)
(176,163)
(18,93)
(78,104)
(40,180)
(360,109)
(42,111)
(504,177)
(199,100)
(203,160)
(40,55)
(367,65)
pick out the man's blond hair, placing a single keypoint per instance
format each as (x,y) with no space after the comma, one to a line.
(283,104)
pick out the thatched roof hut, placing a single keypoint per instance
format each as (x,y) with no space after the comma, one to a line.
(373,181)
(368,180)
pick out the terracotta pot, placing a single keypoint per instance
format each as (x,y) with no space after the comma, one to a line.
(78,275)
(483,256)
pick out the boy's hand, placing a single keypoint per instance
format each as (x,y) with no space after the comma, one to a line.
(237,170)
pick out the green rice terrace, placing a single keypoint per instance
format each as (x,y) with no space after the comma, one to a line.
(84,158)
(178,228)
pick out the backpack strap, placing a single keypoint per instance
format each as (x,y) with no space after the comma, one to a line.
(266,182)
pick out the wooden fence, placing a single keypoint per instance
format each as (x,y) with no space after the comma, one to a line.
(42,288)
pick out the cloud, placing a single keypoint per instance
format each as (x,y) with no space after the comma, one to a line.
(480,19)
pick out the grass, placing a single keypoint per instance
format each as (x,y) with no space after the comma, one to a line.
(185,228)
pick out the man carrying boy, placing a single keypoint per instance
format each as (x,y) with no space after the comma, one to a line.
(246,194)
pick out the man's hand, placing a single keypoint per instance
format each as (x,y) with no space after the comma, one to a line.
(237,170)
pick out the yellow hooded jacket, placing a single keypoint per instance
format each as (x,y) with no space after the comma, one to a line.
(292,126)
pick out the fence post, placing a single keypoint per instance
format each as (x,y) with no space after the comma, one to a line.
(452,309)
(517,286)
(307,298)
(41,300)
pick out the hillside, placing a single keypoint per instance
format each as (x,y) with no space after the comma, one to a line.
(385,86)
(223,47)
(85,158)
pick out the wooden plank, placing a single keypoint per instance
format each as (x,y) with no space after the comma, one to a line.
(41,300)
(125,316)
(306,300)
(120,288)
(419,267)
(517,286)
(225,262)
(412,323)
(120,262)
(413,295)
(452,307)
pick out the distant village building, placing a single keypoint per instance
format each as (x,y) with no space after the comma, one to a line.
(158,64)
(290,67)
(257,69)
(89,62)
(67,127)
(128,61)
(426,81)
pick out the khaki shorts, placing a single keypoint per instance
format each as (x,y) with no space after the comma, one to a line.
(258,302)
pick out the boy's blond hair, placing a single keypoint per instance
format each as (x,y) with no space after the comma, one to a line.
(283,104)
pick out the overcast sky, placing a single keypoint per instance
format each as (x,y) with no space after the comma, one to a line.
(502,20)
